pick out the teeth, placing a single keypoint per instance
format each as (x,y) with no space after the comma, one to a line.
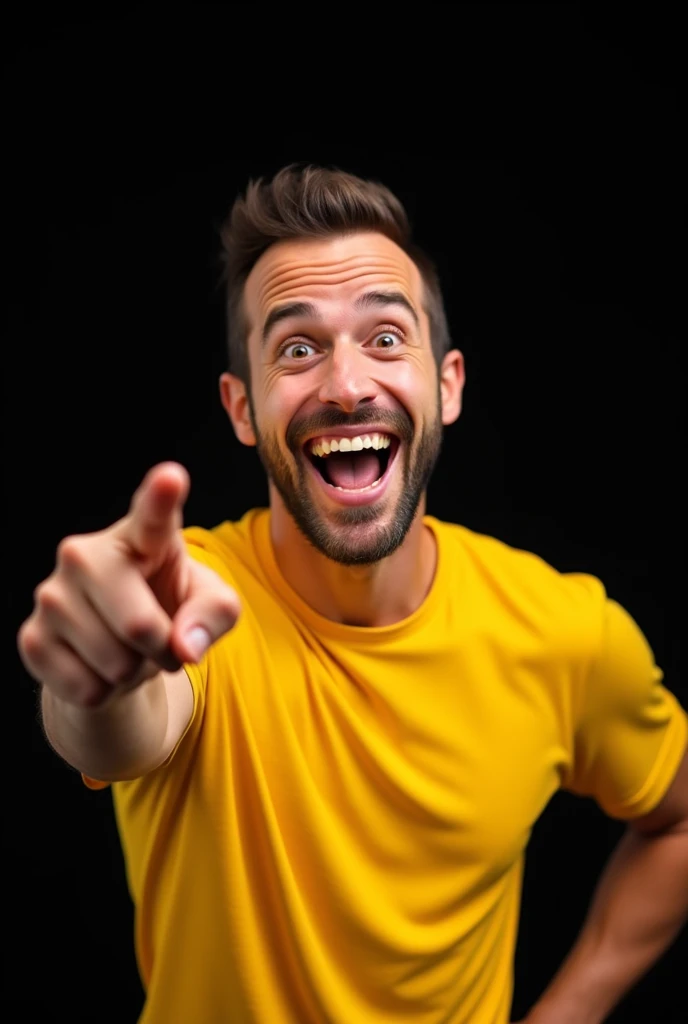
(358,490)
(352,444)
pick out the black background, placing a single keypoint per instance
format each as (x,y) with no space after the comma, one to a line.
(538,151)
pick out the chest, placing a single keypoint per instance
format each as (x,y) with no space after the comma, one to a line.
(420,756)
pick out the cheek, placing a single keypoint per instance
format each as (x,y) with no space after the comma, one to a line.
(415,388)
(415,375)
(279,409)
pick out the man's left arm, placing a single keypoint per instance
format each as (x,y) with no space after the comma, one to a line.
(638,909)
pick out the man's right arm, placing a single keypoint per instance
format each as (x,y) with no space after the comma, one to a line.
(128,736)
(112,627)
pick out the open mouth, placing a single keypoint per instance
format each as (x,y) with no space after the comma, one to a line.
(354,477)
(355,469)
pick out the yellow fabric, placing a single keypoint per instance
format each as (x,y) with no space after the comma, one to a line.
(340,834)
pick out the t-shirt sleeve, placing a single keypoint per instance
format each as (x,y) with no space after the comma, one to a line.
(630,730)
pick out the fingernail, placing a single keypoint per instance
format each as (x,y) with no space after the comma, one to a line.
(197,640)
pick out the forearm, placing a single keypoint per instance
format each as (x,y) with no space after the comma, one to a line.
(639,906)
(121,739)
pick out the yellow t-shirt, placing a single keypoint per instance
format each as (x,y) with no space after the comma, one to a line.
(339,836)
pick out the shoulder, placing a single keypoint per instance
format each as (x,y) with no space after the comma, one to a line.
(567,605)
(508,567)
(227,546)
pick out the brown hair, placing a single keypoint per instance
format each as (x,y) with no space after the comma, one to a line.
(314,202)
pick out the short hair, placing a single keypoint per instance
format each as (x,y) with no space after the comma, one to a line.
(314,202)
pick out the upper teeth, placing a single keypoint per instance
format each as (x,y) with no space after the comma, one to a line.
(350,444)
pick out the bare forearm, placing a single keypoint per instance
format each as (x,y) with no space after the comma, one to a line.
(637,911)
(119,740)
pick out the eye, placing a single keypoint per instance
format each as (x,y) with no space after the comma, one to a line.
(388,336)
(295,345)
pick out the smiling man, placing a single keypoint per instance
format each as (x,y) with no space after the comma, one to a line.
(330,726)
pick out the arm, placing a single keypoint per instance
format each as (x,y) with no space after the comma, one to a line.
(128,736)
(112,627)
(638,908)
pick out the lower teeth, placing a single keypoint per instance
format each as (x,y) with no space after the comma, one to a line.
(358,490)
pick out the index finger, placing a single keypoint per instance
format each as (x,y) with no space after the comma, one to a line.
(155,513)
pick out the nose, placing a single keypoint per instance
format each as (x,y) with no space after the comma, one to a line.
(346,380)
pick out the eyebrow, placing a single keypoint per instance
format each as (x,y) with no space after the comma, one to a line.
(289,309)
(370,300)
(374,299)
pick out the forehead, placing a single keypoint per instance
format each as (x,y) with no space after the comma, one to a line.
(337,268)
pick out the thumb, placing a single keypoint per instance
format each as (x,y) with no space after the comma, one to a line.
(210,610)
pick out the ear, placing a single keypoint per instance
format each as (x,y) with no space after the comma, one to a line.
(236,404)
(452,380)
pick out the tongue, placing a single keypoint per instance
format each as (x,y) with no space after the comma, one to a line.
(345,469)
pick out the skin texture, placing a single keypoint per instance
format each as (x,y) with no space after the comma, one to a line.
(346,366)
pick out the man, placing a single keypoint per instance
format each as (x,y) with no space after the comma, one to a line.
(330,726)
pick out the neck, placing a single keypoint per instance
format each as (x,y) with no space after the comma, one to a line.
(358,595)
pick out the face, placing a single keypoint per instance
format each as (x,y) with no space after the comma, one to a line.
(338,345)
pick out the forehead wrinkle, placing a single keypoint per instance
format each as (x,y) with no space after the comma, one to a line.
(325,269)
(331,273)
(358,259)
(298,287)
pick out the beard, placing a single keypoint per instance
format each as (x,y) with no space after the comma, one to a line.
(364,534)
